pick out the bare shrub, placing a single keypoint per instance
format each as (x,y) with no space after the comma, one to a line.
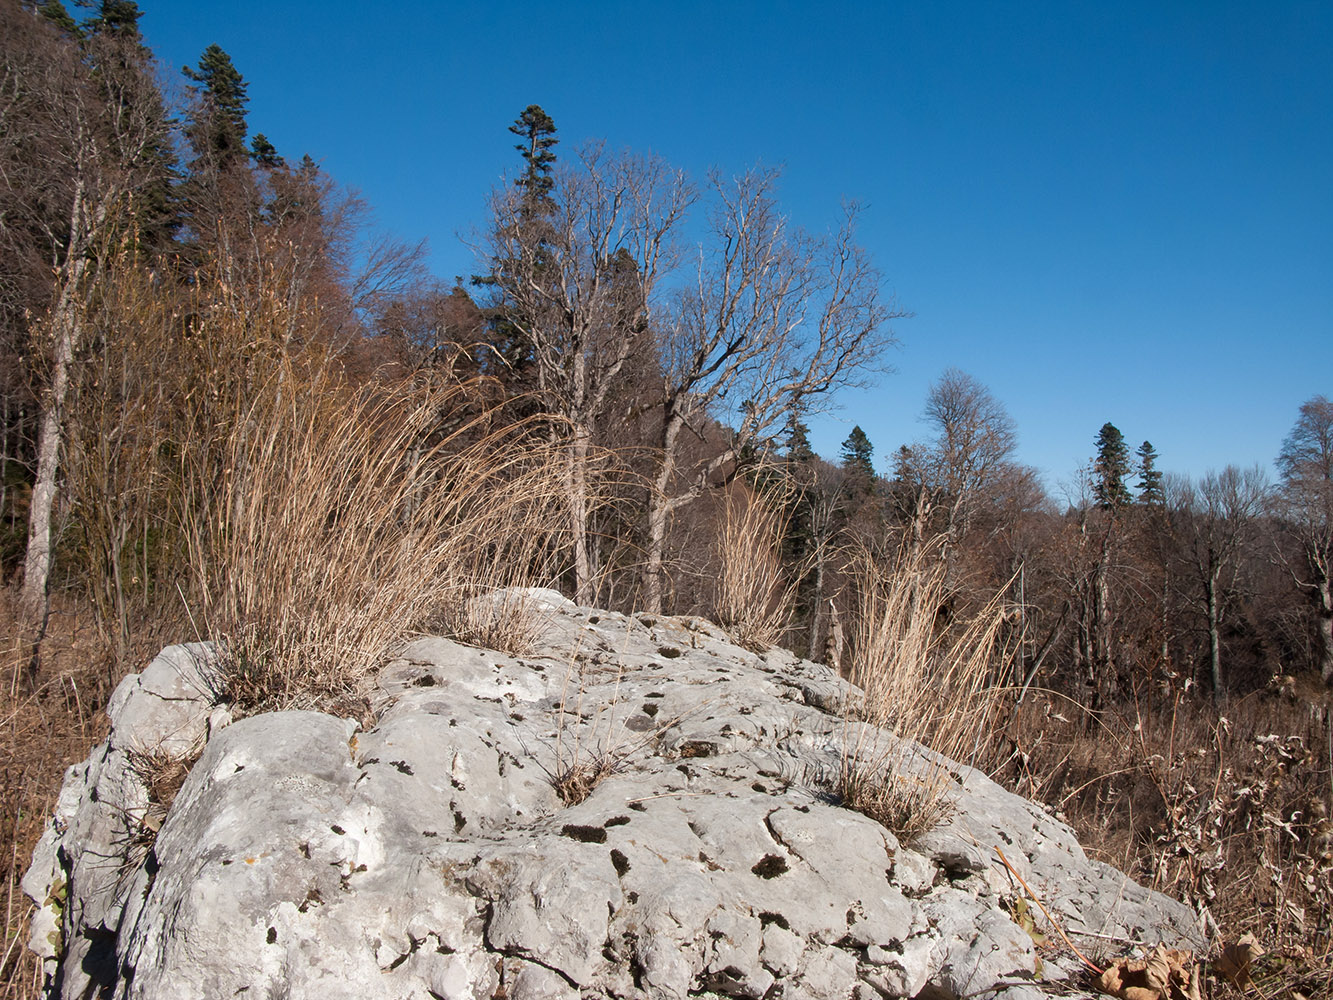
(1227,812)
(752,600)
(927,681)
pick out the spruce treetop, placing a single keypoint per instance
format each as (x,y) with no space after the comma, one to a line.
(857,460)
(1110,469)
(220,134)
(1150,477)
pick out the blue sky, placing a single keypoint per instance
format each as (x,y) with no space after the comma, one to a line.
(1103,212)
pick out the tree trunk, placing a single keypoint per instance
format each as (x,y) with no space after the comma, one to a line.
(817,618)
(34,599)
(659,509)
(576,476)
(1325,612)
(1214,638)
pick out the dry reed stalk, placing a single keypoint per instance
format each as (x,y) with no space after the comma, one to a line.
(751,600)
(925,683)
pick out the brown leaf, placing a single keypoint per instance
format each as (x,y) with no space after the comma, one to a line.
(1236,959)
(1167,974)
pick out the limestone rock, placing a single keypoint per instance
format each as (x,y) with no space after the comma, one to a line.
(433,857)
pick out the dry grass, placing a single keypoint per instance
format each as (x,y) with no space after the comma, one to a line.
(751,600)
(1228,813)
(926,681)
(162,774)
(343,521)
(43,730)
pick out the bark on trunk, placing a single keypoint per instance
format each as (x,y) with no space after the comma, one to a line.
(34,599)
(577,477)
(1214,639)
(1326,631)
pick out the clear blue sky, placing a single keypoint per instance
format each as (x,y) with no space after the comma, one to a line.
(1101,211)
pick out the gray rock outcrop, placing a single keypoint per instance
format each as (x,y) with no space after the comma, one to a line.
(432,855)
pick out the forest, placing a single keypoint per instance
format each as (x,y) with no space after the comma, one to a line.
(232,409)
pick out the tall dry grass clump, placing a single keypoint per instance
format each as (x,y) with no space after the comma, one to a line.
(751,599)
(930,679)
(340,521)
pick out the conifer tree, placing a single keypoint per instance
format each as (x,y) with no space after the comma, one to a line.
(117,19)
(217,133)
(508,352)
(797,445)
(265,154)
(55,12)
(1150,477)
(1111,469)
(857,462)
(535,127)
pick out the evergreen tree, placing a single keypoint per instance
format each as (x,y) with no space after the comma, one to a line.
(1150,478)
(1111,469)
(55,12)
(117,19)
(797,445)
(507,352)
(535,127)
(264,153)
(122,68)
(857,462)
(217,131)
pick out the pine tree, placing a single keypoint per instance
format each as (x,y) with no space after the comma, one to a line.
(122,66)
(1150,478)
(1110,469)
(117,19)
(507,352)
(797,445)
(217,133)
(857,462)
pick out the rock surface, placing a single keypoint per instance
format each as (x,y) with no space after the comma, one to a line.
(432,856)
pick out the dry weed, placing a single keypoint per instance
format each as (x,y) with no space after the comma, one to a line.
(43,730)
(751,600)
(343,521)
(1226,812)
(928,682)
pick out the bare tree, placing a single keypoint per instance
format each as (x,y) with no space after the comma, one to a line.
(774,322)
(1213,522)
(967,460)
(79,125)
(1306,464)
(576,283)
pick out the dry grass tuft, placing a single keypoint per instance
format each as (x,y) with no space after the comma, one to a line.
(751,600)
(888,789)
(344,520)
(507,618)
(926,680)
